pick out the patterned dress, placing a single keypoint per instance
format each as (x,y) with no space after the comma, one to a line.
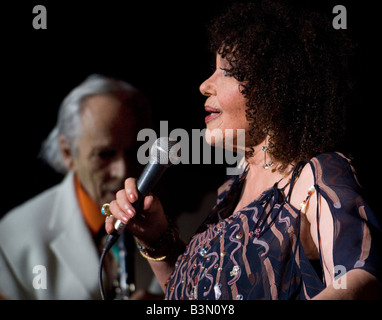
(256,253)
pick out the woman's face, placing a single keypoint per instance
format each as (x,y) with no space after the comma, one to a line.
(226,106)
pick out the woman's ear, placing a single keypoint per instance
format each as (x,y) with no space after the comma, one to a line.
(66,152)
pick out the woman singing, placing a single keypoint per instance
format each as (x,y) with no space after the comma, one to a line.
(282,75)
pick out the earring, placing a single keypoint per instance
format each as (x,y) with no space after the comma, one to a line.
(270,163)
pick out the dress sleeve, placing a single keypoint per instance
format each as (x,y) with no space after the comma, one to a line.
(356,229)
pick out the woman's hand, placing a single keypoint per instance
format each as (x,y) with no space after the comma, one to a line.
(148,224)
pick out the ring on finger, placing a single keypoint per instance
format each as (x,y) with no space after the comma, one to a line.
(105,210)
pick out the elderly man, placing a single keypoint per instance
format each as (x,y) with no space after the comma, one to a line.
(50,245)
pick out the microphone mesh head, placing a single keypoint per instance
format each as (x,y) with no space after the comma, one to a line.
(165,151)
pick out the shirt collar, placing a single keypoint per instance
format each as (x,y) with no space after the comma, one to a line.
(89,208)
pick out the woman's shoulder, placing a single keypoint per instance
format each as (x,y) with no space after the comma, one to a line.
(332,176)
(325,164)
(331,169)
(328,173)
(330,160)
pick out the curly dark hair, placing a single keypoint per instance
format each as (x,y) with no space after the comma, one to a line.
(293,66)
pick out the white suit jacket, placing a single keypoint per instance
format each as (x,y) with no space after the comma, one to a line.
(48,233)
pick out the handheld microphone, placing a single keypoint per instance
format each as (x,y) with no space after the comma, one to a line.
(163,153)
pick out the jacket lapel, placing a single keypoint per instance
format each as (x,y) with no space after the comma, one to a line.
(73,246)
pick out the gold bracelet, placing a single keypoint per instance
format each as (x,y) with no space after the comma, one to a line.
(145,255)
(166,238)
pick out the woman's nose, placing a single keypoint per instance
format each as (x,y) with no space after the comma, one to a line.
(207,88)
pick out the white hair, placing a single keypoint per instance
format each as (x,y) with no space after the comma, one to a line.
(69,115)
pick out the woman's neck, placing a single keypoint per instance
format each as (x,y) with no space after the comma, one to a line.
(260,179)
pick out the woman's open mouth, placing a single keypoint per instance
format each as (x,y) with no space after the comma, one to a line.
(214,113)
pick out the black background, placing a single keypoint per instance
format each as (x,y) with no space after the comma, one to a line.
(161,48)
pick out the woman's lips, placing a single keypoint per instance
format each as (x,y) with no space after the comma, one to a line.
(214,113)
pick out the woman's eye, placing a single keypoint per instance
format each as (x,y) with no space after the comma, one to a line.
(227,72)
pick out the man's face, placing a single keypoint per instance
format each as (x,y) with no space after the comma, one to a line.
(107,147)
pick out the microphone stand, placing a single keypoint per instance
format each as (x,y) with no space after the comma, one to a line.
(126,267)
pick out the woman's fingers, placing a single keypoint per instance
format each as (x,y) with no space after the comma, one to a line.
(109,224)
(150,223)
(121,208)
(131,189)
(127,209)
(148,201)
(124,199)
(117,214)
